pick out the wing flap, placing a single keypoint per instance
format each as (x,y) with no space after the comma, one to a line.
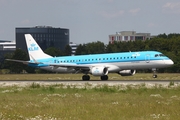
(72,65)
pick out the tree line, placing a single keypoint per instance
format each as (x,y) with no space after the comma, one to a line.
(169,45)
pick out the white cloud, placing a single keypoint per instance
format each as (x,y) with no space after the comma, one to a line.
(112,15)
(151,25)
(25,22)
(172,7)
(134,11)
(3,3)
(110,1)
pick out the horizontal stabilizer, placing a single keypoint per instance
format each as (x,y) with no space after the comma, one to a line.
(20,61)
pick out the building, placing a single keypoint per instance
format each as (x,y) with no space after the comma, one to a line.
(46,36)
(73,48)
(6,47)
(128,36)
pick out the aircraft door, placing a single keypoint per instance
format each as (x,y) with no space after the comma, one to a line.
(147,58)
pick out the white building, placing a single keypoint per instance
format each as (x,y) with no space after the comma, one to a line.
(128,36)
(7,46)
(73,48)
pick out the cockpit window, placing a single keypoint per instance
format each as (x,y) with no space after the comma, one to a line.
(156,55)
(159,55)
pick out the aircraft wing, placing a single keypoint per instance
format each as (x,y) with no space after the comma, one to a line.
(71,65)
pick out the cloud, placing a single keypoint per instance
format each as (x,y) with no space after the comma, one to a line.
(172,7)
(112,15)
(110,1)
(3,2)
(151,25)
(134,11)
(25,22)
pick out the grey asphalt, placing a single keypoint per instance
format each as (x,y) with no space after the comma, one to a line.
(93,81)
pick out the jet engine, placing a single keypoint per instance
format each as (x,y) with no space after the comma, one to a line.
(99,71)
(127,72)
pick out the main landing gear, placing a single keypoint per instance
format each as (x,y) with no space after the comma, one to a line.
(154,73)
(87,77)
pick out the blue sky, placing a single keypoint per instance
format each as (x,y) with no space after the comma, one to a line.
(91,20)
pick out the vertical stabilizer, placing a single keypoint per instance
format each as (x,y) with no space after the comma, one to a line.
(35,52)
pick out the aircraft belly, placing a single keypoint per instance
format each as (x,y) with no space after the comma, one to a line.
(113,67)
(141,64)
(148,65)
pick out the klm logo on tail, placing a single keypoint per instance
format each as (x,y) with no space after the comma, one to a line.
(33,47)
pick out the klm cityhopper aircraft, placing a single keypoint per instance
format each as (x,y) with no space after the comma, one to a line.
(125,63)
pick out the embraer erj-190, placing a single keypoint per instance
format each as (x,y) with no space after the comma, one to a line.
(124,63)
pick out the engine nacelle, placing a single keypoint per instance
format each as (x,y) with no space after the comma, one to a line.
(99,71)
(127,72)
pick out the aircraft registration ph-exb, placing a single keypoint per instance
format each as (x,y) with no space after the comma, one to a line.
(125,63)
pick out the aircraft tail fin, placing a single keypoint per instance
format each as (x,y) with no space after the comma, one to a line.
(34,51)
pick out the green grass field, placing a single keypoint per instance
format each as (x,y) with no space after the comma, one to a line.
(138,76)
(60,102)
(101,102)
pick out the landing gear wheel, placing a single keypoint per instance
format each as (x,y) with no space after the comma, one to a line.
(154,73)
(154,76)
(104,77)
(85,77)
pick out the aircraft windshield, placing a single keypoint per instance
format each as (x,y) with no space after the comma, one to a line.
(159,55)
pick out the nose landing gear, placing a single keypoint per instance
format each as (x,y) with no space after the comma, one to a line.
(154,73)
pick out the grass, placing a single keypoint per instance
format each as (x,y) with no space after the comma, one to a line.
(138,76)
(61,102)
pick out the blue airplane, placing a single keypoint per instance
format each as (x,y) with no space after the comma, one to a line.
(124,63)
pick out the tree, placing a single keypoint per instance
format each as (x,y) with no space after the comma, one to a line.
(53,51)
(162,36)
(81,49)
(67,51)
(110,48)
(16,67)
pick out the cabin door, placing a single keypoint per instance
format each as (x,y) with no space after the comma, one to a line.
(147,58)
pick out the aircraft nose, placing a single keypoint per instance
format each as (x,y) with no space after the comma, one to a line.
(168,62)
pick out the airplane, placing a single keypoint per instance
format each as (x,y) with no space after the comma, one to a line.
(123,63)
